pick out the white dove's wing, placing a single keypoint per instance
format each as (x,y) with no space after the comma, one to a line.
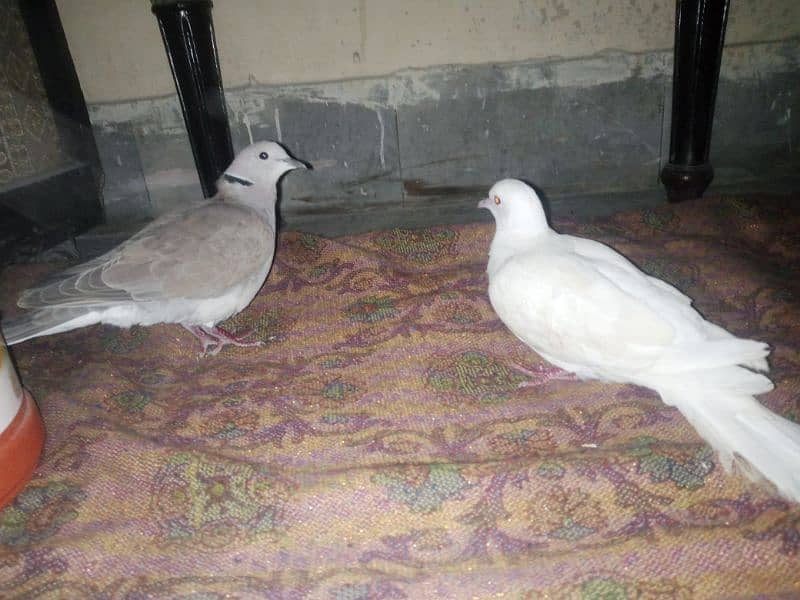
(194,254)
(560,304)
(605,318)
(660,294)
(598,251)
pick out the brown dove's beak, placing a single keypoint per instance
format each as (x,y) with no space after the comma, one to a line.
(296,164)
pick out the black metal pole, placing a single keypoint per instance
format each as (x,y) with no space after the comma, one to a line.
(188,33)
(699,37)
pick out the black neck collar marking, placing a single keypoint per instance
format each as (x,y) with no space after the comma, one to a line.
(236,179)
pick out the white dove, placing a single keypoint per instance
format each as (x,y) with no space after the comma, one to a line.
(587,309)
(196,266)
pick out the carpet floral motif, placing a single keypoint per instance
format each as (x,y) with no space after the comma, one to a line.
(39,512)
(418,246)
(474,375)
(214,503)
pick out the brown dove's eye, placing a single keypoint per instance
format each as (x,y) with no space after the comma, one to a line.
(497,200)
(263,156)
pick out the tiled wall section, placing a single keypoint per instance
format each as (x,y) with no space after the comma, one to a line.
(425,141)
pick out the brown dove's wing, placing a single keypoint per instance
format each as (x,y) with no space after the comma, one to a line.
(198,253)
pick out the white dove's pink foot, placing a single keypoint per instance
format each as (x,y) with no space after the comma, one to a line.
(542,374)
(217,338)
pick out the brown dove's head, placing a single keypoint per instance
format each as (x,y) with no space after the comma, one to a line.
(516,208)
(260,164)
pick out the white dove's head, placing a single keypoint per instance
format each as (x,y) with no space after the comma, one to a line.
(515,207)
(260,164)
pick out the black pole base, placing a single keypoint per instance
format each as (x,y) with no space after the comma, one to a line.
(699,39)
(686,182)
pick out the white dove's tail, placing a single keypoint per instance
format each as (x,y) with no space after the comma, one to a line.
(715,354)
(760,443)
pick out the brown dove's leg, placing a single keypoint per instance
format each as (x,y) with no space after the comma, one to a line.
(215,338)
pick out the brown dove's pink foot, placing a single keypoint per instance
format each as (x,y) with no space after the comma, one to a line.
(541,374)
(216,338)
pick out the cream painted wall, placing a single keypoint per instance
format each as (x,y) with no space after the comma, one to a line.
(119,55)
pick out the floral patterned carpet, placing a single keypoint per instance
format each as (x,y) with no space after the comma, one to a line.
(380,446)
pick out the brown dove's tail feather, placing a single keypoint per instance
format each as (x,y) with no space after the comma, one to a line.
(44,322)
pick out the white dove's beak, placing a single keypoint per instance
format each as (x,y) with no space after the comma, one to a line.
(485,203)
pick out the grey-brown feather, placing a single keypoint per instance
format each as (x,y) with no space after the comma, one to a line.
(194,254)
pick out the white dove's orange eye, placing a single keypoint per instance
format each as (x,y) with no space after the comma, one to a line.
(497,200)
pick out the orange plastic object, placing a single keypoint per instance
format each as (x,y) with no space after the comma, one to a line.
(20,446)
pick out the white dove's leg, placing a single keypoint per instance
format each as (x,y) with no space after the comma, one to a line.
(542,374)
